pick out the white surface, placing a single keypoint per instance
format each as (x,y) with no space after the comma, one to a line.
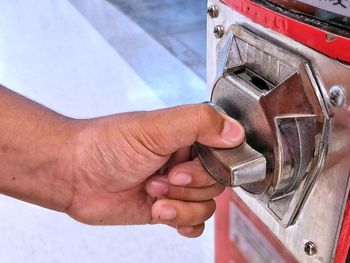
(50,53)
(171,80)
(340,7)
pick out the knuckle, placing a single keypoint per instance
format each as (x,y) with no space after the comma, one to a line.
(211,207)
(188,218)
(207,179)
(207,113)
(201,212)
(208,118)
(206,109)
(202,178)
(218,189)
(184,193)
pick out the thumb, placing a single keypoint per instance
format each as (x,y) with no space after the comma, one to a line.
(168,130)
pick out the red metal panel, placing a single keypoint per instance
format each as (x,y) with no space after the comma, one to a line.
(334,46)
(344,238)
(225,252)
(254,236)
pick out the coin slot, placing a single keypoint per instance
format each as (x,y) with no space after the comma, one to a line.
(254,79)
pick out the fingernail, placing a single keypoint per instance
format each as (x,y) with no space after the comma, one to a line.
(181,179)
(232,131)
(158,188)
(186,229)
(167,213)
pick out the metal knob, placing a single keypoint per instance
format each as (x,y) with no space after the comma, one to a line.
(232,167)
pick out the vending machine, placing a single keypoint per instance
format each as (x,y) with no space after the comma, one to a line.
(282,68)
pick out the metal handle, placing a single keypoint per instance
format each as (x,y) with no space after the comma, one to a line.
(232,167)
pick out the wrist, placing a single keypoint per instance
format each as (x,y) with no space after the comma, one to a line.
(36,145)
(36,163)
(63,168)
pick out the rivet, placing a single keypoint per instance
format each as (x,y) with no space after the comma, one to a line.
(337,96)
(213,11)
(310,248)
(219,31)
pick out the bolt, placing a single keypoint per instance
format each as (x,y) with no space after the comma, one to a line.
(219,31)
(337,96)
(310,248)
(213,11)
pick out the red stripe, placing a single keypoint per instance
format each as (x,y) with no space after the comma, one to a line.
(338,47)
(344,238)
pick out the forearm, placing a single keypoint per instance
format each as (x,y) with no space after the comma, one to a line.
(33,140)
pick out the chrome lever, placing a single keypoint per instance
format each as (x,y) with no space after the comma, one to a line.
(232,167)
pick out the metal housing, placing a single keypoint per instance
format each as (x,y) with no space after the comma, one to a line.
(320,197)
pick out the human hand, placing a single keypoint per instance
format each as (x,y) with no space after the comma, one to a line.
(138,168)
(132,168)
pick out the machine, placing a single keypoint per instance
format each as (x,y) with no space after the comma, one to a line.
(282,68)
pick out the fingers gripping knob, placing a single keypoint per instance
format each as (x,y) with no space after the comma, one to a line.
(232,167)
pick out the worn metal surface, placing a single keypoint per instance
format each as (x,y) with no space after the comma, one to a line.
(256,73)
(233,167)
(322,210)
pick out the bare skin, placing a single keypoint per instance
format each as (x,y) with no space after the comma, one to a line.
(131,168)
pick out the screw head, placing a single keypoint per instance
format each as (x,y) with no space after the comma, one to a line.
(219,31)
(337,96)
(213,11)
(310,248)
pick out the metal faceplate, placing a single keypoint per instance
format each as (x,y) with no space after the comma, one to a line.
(281,92)
(270,91)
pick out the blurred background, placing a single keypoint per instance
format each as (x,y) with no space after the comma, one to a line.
(87,58)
